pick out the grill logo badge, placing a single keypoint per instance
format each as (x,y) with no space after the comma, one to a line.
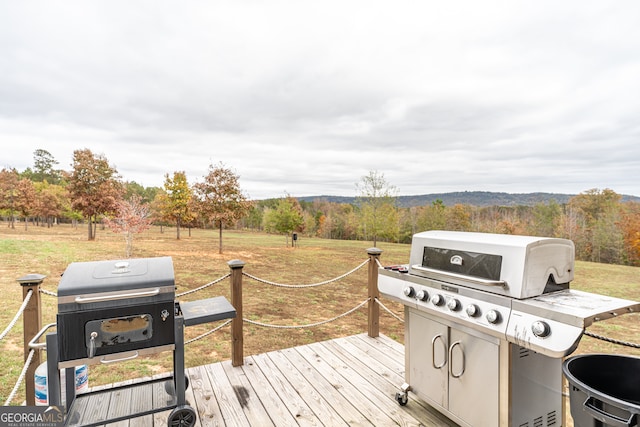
(456,260)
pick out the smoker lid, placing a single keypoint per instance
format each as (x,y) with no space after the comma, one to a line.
(83,278)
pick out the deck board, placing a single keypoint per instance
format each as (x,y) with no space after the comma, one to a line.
(348,381)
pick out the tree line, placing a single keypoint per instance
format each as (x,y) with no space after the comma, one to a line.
(603,227)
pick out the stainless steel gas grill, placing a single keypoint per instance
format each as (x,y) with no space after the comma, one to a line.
(488,319)
(111,311)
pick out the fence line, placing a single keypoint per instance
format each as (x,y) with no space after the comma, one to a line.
(310,325)
(18,314)
(311,285)
(20,378)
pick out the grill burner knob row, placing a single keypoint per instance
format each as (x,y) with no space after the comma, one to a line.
(437,299)
(540,329)
(453,304)
(493,317)
(422,295)
(409,291)
(473,310)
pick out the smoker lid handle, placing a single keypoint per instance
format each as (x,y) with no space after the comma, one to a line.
(87,300)
(470,279)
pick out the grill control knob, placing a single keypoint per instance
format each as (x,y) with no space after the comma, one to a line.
(453,304)
(540,329)
(493,317)
(437,299)
(409,291)
(473,310)
(422,295)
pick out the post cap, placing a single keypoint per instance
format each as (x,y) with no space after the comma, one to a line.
(374,251)
(31,279)
(236,263)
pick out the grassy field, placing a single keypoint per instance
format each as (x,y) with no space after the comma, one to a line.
(196,260)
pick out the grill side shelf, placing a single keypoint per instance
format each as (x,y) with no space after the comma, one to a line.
(207,310)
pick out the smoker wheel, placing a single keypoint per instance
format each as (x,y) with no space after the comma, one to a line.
(402,398)
(170,386)
(183,415)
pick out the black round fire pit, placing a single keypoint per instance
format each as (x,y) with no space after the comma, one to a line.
(604,388)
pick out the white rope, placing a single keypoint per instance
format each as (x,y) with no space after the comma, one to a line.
(199,337)
(309,285)
(51,294)
(389,311)
(18,314)
(204,286)
(379,264)
(311,325)
(20,378)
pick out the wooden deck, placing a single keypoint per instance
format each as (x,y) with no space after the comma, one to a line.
(345,381)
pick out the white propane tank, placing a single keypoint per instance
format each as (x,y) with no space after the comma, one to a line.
(42,390)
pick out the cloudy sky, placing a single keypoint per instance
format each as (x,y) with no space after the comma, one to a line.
(305,97)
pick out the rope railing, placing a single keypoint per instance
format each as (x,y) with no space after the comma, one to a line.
(206,334)
(311,285)
(20,378)
(310,325)
(385,308)
(48,293)
(17,316)
(192,291)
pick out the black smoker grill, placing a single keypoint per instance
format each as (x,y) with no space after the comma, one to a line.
(111,311)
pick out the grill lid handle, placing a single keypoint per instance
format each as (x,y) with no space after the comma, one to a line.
(87,300)
(470,279)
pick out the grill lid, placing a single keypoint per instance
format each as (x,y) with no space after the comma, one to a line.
(133,281)
(510,265)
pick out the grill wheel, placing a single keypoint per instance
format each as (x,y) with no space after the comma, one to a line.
(182,416)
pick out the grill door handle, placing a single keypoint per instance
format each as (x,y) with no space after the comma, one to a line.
(469,279)
(433,352)
(87,300)
(106,361)
(454,345)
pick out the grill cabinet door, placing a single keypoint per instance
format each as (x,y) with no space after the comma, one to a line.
(426,358)
(473,378)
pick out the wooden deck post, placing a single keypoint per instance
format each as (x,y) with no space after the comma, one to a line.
(374,293)
(32,323)
(237,344)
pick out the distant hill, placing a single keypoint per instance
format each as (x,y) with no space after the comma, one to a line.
(474,198)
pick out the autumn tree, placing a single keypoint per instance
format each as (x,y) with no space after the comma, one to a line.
(219,199)
(599,238)
(132,217)
(94,186)
(630,225)
(9,179)
(376,199)
(285,218)
(25,199)
(51,201)
(175,200)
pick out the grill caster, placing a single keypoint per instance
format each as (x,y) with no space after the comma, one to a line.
(182,416)
(402,397)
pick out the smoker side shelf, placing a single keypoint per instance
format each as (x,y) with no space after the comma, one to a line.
(119,403)
(207,310)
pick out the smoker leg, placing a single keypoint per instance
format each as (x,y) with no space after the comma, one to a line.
(178,362)
(402,397)
(53,375)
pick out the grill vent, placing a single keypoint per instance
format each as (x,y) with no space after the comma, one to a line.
(524,352)
(537,422)
(524,424)
(551,418)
